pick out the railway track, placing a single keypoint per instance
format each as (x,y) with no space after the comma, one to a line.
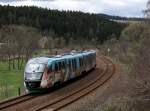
(57,100)
(16,100)
(72,97)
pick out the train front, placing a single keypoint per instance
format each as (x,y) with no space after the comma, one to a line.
(33,74)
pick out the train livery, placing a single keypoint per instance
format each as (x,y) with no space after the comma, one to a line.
(42,73)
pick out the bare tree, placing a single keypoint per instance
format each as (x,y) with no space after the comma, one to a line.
(21,42)
(147,11)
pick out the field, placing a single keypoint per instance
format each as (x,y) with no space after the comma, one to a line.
(11,81)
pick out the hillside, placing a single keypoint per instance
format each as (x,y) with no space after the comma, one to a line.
(66,24)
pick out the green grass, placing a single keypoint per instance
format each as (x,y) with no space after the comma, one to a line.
(10,81)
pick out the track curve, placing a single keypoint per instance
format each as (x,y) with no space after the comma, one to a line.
(66,95)
(70,98)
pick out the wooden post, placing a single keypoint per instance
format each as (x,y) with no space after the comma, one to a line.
(19,91)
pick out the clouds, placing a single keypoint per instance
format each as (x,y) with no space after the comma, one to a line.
(124,7)
(112,7)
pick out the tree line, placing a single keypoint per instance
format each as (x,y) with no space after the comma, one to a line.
(66,24)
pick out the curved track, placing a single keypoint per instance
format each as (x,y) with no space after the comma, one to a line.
(63,96)
(83,91)
(14,101)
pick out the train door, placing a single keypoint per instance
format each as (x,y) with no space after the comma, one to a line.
(74,68)
(67,70)
(57,73)
(52,73)
(71,73)
(80,65)
(88,62)
(62,71)
(47,78)
(94,59)
(77,66)
(83,61)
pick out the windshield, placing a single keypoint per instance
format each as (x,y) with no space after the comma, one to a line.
(32,68)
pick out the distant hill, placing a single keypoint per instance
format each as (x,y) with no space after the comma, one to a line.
(119,18)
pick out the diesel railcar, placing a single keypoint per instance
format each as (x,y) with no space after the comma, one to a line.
(42,73)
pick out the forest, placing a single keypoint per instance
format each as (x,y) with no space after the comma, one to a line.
(66,24)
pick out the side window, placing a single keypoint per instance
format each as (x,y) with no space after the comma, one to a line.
(53,67)
(64,64)
(89,59)
(56,67)
(49,69)
(69,64)
(75,64)
(59,66)
(80,62)
(84,60)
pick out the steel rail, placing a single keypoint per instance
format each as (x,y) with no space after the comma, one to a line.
(16,100)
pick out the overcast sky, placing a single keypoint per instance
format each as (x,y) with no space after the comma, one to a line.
(129,8)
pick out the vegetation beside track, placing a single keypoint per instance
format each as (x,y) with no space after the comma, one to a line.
(11,81)
(131,53)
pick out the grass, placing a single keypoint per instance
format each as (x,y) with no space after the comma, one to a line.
(10,81)
(41,52)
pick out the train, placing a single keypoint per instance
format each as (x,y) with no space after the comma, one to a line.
(42,73)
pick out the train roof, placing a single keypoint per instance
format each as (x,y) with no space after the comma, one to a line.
(39,60)
(49,59)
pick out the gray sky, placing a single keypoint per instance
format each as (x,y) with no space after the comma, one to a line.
(129,8)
